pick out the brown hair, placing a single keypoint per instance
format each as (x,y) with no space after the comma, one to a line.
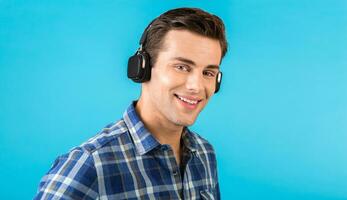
(192,19)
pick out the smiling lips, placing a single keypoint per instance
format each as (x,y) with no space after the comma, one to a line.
(189,102)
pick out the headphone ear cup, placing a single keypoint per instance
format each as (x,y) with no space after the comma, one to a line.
(218,82)
(139,69)
(147,67)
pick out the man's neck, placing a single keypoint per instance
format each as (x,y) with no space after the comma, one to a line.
(160,127)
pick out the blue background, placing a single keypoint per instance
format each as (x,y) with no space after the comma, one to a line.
(279,123)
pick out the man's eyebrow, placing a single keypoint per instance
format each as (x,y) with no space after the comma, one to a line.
(188,61)
(213,66)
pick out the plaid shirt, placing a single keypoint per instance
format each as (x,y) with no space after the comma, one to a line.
(124,161)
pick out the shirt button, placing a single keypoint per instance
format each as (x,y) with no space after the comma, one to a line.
(164,147)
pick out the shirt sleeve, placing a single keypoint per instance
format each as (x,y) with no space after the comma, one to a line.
(72,176)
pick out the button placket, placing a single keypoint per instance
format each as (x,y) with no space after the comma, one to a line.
(167,159)
(171,158)
(185,184)
(174,170)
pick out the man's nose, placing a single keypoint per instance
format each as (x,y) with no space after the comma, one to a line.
(194,82)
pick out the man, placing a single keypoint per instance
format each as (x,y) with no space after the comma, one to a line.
(150,153)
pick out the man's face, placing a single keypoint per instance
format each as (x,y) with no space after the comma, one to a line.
(183,77)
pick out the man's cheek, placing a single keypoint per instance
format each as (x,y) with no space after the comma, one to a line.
(169,80)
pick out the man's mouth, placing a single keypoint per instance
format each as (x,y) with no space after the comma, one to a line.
(190,102)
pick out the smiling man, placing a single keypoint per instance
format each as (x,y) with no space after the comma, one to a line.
(150,153)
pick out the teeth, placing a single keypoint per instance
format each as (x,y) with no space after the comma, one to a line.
(187,100)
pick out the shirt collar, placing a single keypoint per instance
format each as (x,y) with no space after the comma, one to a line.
(143,139)
(189,140)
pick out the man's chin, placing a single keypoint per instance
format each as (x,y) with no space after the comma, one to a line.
(185,122)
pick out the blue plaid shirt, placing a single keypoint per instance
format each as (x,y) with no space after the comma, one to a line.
(124,161)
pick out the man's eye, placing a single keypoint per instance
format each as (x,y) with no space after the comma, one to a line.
(182,68)
(209,73)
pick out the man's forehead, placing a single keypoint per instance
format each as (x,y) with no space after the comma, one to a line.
(188,46)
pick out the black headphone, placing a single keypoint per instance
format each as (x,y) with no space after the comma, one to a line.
(139,67)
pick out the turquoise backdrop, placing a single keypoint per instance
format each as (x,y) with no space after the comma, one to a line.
(279,123)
